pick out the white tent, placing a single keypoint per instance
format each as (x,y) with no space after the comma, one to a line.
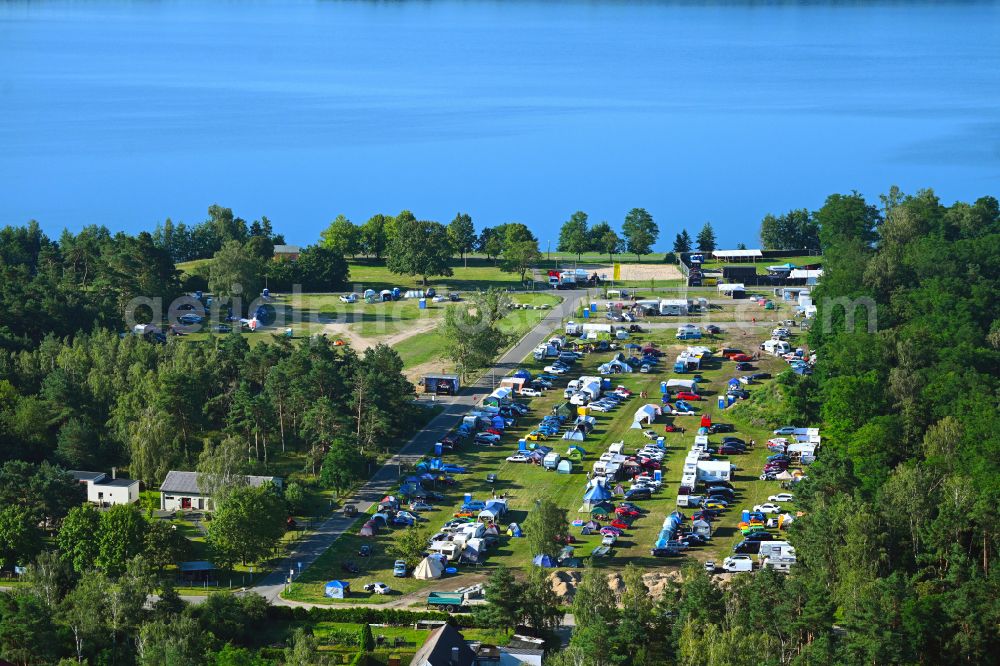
(737,254)
(686,384)
(645,415)
(428,569)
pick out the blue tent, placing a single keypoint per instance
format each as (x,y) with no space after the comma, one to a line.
(337,589)
(544,561)
(597,493)
(734,383)
(524,374)
(514,530)
(498,422)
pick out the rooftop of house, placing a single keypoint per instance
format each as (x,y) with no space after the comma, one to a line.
(187,482)
(86,476)
(286,249)
(444,647)
(102,479)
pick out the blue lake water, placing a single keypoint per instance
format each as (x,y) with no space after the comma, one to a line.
(124,113)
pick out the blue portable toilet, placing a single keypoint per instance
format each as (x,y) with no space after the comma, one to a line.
(660,443)
(658,475)
(438,449)
(722,402)
(586,314)
(663,387)
(468,497)
(593,307)
(745,516)
(522,445)
(422,304)
(605,383)
(730,399)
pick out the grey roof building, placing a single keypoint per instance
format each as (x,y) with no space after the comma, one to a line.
(444,647)
(180,491)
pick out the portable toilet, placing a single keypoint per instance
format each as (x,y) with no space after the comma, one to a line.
(586,314)
(658,475)
(722,402)
(593,307)
(438,449)
(663,387)
(680,367)
(467,498)
(522,445)
(422,304)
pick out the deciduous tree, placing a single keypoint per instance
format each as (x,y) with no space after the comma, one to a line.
(640,232)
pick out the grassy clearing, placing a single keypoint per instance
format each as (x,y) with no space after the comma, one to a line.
(525,484)
(762,264)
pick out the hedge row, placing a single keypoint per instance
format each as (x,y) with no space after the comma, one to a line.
(365,615)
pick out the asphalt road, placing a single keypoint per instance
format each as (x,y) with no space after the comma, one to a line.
(386,479)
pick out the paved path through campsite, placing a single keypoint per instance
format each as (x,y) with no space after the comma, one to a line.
(385,480)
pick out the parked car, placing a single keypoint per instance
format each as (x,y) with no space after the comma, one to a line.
(399,569)
(785,430)
(536,436)
(741,358)
(747,547)
(518,457)
(627,511)
(781,497)
(730,450)
(768,508)
(609,540)
(666,552)
(487,438)
(377,588)
(638,494)
(420,506)
(743,367)
(348,298)
(713,329)
(757,376)
(530,393)
(732,439)
(741,394)
(365,550)
(760,535)
(687,395)
(716,428)
(556,369)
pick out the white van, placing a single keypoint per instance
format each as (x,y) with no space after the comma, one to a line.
(737,563)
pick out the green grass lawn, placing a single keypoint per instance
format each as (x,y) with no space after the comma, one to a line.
(526,484)
(762,264)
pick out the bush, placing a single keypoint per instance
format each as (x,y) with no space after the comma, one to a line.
(361,615)
(670,258)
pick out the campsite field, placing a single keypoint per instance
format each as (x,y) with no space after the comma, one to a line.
(525,484)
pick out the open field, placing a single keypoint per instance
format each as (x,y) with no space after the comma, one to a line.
(762,264)
(525,483)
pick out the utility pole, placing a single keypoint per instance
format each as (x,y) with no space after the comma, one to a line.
(548,250)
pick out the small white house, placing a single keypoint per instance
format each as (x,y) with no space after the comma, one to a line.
(674,307)
(105,491)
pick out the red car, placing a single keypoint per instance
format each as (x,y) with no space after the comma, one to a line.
(494,431)
(649,463)
(741,358)
(684,395)
(626,511)
(620,524)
